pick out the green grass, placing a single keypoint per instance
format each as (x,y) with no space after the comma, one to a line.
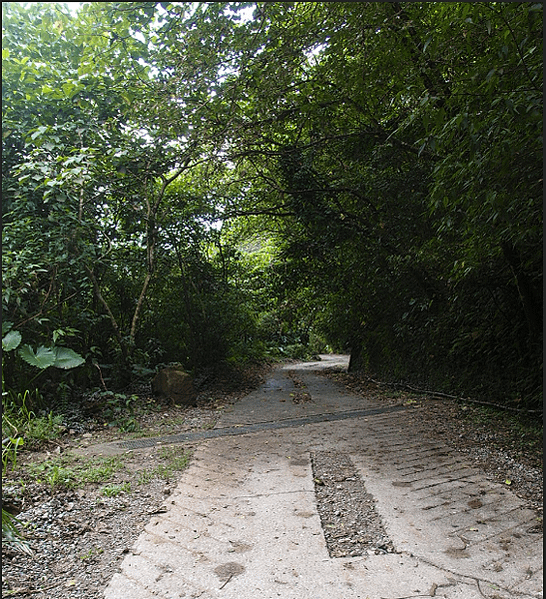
(44,428)
(115,490)
(72,472)
(177,457)
(176,460)
(69,471)
(93,552)
(19,420)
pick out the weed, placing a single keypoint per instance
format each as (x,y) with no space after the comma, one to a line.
(163,471)
(11,535)
(43,428)
(145,477)
(93,552)
(58,476)
(19,420)
(51,473)
(115,490)
(177,460)
(11,443)
(19,404)
(175,423)
(120,411)
(10,446)
(101,471)
(177,457)
(69,472)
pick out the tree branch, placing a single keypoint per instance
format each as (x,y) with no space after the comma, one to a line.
(111,316)
(138,307)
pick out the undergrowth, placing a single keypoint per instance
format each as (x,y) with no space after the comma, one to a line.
(72,472)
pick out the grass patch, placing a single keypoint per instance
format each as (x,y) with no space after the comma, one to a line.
(115,490)
(18,420)
(43,428)
(145,477)
(73,472)
(176,460)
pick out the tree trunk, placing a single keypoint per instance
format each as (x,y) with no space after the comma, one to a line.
(355,361)
(531,308)
(111,316)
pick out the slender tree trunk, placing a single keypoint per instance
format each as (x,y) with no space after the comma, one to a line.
(355,360)
(138,308)
(152,209)
(527,294)
(111,316)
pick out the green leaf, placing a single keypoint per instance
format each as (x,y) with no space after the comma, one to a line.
(11,534)
(11,341)
(6,326)
(69,89)
(42,358)
(66,358)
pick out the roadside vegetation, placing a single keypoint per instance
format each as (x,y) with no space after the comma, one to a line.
(226,184)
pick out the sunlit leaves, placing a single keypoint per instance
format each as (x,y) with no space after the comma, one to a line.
(42,357)
(11,341)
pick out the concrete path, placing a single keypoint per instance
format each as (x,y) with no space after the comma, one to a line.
(243,521)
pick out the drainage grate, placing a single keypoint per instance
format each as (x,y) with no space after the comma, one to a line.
(252,428)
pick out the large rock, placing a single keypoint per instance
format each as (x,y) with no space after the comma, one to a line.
(176,385)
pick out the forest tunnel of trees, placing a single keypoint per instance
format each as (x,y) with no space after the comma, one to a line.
(202,182)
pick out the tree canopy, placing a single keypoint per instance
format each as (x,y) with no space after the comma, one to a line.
(209,181)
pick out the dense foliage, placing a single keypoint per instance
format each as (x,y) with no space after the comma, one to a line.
(199,182)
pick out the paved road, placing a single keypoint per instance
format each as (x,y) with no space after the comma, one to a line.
(243,521)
